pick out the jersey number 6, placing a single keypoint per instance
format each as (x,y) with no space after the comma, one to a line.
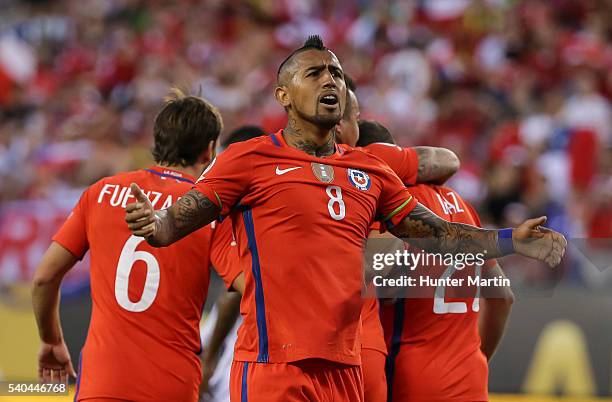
(127,259)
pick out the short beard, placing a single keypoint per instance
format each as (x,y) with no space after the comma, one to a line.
(323,122)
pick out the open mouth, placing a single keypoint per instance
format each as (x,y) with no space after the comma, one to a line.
(329,100)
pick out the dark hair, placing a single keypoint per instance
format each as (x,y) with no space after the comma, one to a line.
(350,86)
(183,129)
(243,133)
(350,83)
(313,42)
(371,131)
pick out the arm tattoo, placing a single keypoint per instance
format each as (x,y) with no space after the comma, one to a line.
(429,232)
(193,211)
(436,165)
(294,137)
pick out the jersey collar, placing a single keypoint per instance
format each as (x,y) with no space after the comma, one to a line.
(171,173)
(278,140)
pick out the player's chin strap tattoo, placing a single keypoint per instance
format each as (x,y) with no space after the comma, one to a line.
(429,232)
(193,211)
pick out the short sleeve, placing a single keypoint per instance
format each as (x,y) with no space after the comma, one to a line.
(403,161)
(224,253)
(488,263)
(73,233)
(473,213)
(395,200)
(227,177)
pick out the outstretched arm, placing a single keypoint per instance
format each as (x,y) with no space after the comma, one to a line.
(162,228)
(436,165)
(426,230)
(54,362)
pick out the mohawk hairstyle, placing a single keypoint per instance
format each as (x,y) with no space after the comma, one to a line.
(313,42)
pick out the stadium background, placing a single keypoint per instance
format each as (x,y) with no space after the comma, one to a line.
(520,90)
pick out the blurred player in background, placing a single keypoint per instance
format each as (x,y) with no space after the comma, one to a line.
(412,165)
(437,350)
(143,339)
(299,201)
(219,332)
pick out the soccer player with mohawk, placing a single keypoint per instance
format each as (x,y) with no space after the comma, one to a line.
(301,206)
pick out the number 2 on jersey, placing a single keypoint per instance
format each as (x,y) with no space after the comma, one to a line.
(127,259)
(442,307)
(333,200)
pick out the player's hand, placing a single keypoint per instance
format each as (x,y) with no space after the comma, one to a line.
(54,364)
(532,240)
(140,215)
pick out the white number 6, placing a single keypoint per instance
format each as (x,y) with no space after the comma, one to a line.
(128,257)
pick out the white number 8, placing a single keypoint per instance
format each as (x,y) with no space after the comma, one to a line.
(128,257)
(333,199)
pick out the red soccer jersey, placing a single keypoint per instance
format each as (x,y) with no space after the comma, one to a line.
(403,161)
(372,336)
(433,343)
(143,338)
(225,252)
(300,222)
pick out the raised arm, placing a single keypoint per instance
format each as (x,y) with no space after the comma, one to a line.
(164,227)
(426,230)
(436,165)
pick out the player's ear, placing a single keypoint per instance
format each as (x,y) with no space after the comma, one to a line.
(212,149)
(338,129)
(282,96)
(210,152)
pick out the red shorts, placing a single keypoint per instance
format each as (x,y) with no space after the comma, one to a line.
(418,377)
(312,380)
(374,378)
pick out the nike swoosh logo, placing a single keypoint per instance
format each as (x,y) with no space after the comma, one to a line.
(283,171)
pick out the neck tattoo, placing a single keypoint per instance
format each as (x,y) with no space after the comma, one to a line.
(294,137)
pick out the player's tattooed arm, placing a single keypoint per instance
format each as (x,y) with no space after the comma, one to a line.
(436,165)
(426,230)
(162,228)
(193,211)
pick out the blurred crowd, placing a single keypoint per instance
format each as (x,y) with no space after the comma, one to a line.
(520,90)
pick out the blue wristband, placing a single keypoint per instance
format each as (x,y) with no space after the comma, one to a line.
(504,241)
